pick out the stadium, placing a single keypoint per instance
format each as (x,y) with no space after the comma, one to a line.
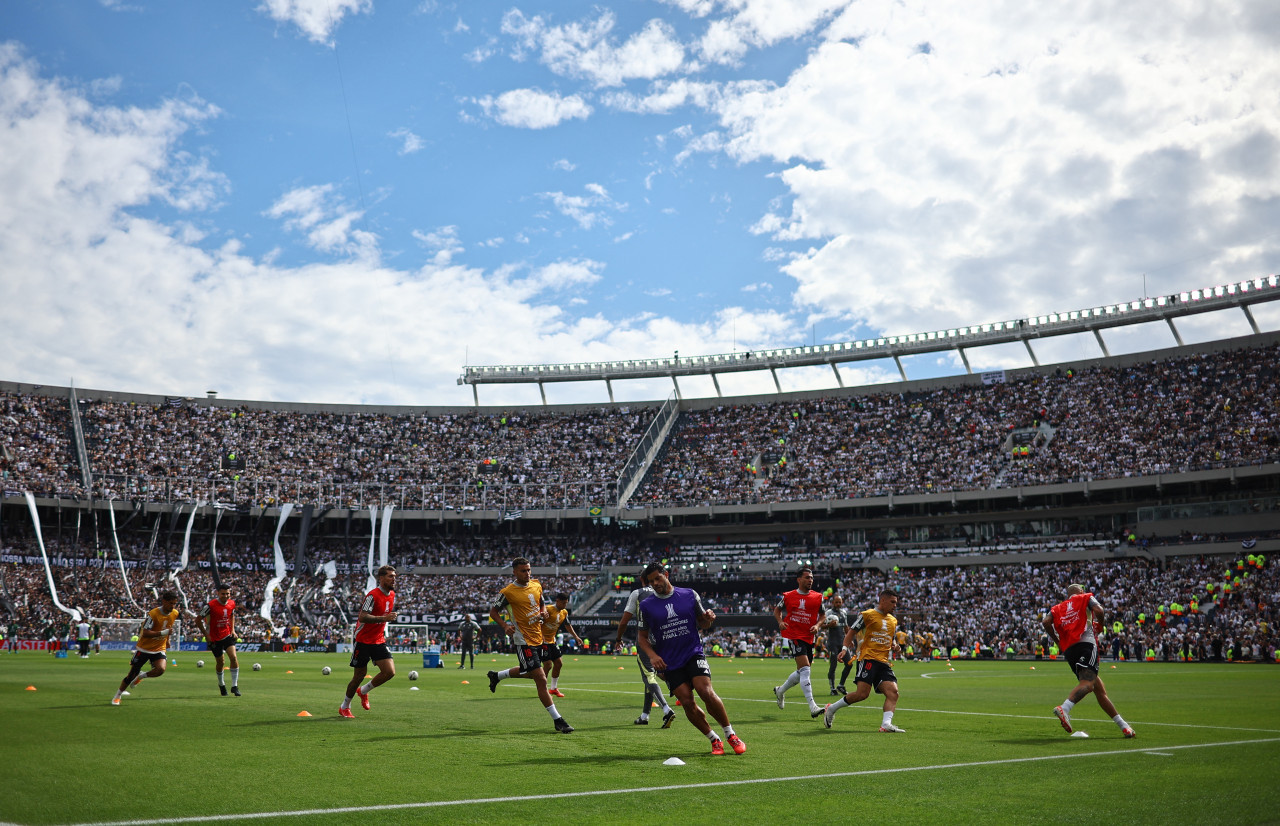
(1150,477)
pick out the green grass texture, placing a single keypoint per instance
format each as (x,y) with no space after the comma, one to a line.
(981,746)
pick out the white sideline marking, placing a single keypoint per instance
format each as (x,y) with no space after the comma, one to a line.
(565,795)
(1160,753)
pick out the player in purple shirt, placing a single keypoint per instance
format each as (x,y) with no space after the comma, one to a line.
(669,625)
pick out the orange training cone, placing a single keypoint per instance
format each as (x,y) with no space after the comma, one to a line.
(31,688)
(466,682)
(304,713)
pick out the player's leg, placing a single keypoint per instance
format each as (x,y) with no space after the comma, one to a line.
(233,662)
(889,688)
(684,693)
(386,670)
(135,667)
(1104,700)
(803,669)
(832,662)
(219,666)
(715,707)
(360,667)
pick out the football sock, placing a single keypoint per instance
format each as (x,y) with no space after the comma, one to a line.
(510,672)
(119,694)
(235,676)
(792,679)
(365,689)
(346,702)
(552,682)
(728,731)
(1067,705)
(839,704)
(1119,721)
(887,719)
(712,736)
(551,709)
(221,679)
(806,684)
(644,716)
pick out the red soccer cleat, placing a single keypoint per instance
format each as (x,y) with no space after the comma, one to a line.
(554,692)
(1129,732)
(346,712)
(364,701)
(717,747)
(1063,718)
(736,744)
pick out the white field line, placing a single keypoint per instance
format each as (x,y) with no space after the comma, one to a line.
(347,810)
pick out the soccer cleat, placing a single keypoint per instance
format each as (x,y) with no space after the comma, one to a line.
(777,692)
(717,747)
(1129,732)
(554,692)
(828,716)
(235,689)
(134,684)
(493,681)
(668,717)
(842,689)
(890,728)
(1063,718)
(115,701)
(735,743)
(642,721)
(815,711)
(834,691)
(223,689)
(364,700)
(346,712)
(562,726)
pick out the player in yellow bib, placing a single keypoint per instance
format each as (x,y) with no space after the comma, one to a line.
(153,642)
(523,599)
(878,628)
(557,618)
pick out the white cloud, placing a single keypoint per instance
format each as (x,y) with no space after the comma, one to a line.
(564,165)
(328,223)
(410,142)
(443,242)
(589,209)
(316,18)
(587,49)
(533,108)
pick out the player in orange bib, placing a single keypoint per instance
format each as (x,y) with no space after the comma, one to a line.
(1075,624)
(799,614)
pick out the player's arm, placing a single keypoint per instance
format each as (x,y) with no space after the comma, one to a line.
(622,627)
(367,617)
(495,614)
(706,617)
(568,626)
(154,633)
(849,651)
(642,639)
(1047,622)
(781,616)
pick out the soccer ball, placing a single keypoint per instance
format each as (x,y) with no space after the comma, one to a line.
(413,675)
(326,671)
(257,666)
(199,663)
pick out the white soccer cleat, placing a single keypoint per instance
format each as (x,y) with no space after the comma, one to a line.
(1063,718)
(778,693)
(890,728)
(815,710)
(828,716)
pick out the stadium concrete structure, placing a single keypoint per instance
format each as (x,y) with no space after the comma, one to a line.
(907,527)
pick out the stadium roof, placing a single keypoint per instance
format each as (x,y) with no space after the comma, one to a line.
(1239,294)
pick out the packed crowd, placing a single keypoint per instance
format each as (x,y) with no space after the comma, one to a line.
(1184,414)
(1187,413)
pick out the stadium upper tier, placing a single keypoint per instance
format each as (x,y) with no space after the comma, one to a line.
(1179,411)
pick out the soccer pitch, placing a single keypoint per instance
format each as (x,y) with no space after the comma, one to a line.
(981,745)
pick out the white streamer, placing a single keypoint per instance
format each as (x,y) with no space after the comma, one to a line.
(268,598)
(48,572)
(115,540)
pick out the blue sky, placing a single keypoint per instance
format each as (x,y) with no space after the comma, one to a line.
(348,200)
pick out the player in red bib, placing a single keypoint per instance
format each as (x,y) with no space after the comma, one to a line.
(217,622)
(799,614)
(377,610)
(1075,624)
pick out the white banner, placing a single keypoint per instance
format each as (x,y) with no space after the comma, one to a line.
(268,597)
(48,572)
(115,540)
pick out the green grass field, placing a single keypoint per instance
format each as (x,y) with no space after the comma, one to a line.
(982,745)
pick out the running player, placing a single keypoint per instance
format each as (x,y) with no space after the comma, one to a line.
(877,627)
(1073,624)
(153,642)
(557,619)
(524,599)
(799,615)
(669,625)
(220,634)
(371,640)
(836,623)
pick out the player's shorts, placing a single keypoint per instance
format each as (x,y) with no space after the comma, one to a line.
(216,647)
(646,669)
(874,672)
(141,658)
(550,652)
(366,651)
(676,677)
(800,648)
(530,657)
(1083,659)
